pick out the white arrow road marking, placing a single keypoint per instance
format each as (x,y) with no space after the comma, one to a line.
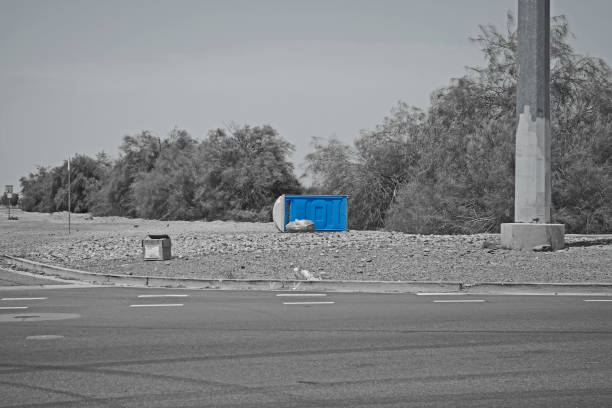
(13,307)
(460,301)
(160,305)
(301,294)
(308,303)
(161,296)
(32,298)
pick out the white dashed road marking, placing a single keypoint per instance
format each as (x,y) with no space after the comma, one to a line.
(32,298)
(301,294)
(441,294)
(13,307)
(460,301)
(161,296)
(160,305)
(598,300)
(308,303)
(45,337)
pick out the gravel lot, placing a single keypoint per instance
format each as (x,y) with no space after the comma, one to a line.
(257,250)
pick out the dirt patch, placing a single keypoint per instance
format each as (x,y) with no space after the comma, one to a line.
(257,250)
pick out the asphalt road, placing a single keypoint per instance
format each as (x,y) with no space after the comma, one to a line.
(108,347)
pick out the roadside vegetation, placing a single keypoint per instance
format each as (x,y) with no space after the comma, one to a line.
(446,169)
(231,174)
(450,168)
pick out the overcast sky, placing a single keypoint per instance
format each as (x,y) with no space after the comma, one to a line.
(76,76)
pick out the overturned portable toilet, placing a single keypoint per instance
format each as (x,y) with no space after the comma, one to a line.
(327,212)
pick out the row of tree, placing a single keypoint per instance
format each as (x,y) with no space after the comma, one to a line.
(231,174)
(446,169)
(450,169)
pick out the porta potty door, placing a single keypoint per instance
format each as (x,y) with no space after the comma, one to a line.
(329,213)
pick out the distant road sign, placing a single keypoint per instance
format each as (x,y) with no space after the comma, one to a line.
(8,189)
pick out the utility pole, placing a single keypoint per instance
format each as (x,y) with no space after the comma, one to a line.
(532,182)
(68,195)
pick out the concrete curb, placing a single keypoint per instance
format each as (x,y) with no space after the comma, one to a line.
(61,283)
(240,284)
(538,288)
(46,277)
(484,288)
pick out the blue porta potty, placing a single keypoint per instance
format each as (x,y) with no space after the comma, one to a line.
(328,212)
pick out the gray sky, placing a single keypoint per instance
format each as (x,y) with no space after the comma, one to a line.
(76,76)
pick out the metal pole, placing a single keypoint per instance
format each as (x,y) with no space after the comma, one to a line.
(68,195)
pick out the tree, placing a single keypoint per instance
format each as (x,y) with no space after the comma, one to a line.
(86,178)
(13,201)
(138,154)
(47,190)
(38,190)
(167,191)
(244,169)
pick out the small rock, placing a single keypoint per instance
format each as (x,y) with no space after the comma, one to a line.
(487,244)
(304,274)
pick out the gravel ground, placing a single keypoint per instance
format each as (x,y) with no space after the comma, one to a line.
(257,250)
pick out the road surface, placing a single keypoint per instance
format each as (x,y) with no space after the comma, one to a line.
(130,347)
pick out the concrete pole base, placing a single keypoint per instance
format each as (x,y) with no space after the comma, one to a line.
(527,236)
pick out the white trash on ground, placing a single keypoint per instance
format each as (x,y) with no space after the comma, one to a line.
(304,274)
(300,226)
